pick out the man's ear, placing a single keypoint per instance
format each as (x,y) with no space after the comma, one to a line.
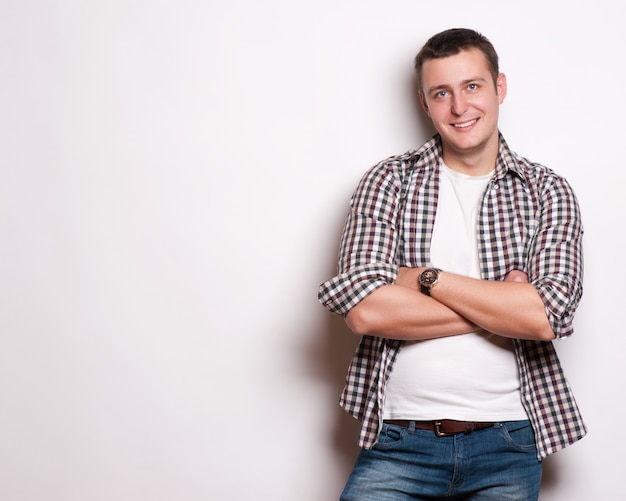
(423,101)
(501,87)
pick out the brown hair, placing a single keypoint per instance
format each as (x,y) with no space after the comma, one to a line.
(451,42)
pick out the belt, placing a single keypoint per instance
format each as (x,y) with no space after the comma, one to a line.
(444,427)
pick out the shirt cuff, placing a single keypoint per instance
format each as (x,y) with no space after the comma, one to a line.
(343,292)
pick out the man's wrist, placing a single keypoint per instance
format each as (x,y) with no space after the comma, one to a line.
(428,279)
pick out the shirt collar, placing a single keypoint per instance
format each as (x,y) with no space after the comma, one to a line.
(505,162)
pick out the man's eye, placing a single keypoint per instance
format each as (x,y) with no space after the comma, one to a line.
(441,93)
(472,86)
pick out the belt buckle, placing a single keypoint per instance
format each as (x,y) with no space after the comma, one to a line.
(438,431)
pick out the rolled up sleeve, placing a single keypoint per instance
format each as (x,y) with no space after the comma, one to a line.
(557,263)
(368,244)
(343,292)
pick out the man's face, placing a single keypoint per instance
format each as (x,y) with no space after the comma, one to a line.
(459,96)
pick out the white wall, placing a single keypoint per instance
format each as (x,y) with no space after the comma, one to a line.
(175,176)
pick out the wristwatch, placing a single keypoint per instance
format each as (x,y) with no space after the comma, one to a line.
(428,279)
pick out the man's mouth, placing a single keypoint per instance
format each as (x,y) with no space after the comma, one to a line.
(465,124)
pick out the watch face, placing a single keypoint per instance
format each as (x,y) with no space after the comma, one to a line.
(428,277)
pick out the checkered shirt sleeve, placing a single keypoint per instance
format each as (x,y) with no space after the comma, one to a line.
(558,258)
(367,252)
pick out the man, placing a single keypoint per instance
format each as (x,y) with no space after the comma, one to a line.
(460,262)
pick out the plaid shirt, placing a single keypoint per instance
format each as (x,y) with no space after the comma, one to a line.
(529,220)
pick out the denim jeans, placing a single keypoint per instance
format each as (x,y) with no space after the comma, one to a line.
(493,464)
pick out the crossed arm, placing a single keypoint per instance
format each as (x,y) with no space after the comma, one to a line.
(457,305)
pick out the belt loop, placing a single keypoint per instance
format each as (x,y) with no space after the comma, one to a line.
(411,428)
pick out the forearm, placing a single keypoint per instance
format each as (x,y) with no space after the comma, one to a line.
(510,309)
(398,312)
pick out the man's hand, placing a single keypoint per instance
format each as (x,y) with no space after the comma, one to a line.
(408,277)
(516,276)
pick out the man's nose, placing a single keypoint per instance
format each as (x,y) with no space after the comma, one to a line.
(459,104)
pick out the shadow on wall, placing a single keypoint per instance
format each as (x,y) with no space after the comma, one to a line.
(550,477)
(341,343)
(330,355)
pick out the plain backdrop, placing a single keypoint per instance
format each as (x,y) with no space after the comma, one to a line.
(174,179)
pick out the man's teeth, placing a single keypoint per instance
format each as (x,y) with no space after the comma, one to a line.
(465,124)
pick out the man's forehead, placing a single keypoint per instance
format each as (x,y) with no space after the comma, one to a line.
(467,65)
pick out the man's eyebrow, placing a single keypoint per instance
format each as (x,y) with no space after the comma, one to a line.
(437,88)
(472,80)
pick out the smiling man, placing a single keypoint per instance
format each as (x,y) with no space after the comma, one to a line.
(459,264)
(462,98)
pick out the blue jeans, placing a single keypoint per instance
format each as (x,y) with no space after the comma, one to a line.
(494,464)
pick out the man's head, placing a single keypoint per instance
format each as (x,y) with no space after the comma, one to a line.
(451,42)
(461,91)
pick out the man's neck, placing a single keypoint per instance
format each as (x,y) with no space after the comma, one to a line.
(472,163)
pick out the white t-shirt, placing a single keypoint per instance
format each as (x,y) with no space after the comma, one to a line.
(471,377)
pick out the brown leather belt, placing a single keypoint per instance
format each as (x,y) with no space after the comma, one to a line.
(444,427)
